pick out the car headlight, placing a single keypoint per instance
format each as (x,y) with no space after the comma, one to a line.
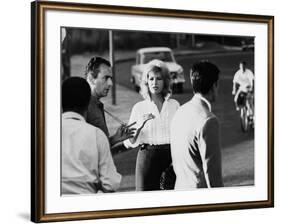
(180,71)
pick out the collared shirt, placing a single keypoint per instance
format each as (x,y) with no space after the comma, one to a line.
(157,130)
(198,95)
(87,164)
(195,146)
(244,79)
(95,115)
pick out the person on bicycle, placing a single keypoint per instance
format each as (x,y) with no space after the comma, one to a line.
(243,84)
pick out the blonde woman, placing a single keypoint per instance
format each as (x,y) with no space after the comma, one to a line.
(152,136)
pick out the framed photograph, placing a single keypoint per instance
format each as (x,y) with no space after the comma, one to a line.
(114,178)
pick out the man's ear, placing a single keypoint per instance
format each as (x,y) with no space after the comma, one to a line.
(214,86)
(94,81)
(90,79)
(190,77)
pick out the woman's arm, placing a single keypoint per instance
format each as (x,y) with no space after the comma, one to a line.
(145,118)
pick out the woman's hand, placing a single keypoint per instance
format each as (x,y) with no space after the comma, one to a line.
(145,118)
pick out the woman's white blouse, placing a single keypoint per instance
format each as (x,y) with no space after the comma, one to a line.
(157,130)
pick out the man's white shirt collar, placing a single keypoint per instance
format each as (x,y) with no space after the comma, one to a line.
(72,115)
(198,95)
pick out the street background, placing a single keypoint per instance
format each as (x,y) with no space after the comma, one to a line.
(15,114)
(224,51)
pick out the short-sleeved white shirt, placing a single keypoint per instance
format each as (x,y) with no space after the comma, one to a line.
(244,79)
(86,158)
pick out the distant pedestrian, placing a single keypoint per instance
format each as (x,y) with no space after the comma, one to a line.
(243,84)
(153,116)
(99,76)
(87,164)
(195,137)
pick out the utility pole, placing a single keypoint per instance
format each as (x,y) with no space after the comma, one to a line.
(112,62)
(177,41)
(65,53)
(193,41)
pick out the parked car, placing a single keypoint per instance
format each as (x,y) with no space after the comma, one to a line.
(145,55)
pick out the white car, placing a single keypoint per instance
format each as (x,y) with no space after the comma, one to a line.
(165,54)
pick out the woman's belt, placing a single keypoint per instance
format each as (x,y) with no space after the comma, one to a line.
(145,146)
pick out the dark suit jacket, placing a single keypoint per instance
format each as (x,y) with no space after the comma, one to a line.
(95,115)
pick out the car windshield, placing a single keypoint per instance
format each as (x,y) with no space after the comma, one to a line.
(165,56)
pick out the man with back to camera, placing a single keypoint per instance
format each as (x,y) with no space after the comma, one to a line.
(99,77)
(87,164)
(195,138)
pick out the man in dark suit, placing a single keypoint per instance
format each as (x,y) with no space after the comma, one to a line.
(99,77)
(195,137)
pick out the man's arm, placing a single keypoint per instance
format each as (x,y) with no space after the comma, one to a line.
(235,87)
(210,152)
(134,117)
(109,178)
(235,83)
(123,132)
(253,81)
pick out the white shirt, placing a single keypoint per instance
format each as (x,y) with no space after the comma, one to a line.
(195,146)
(87,163)
(199,96)
(244,79)
(157,130)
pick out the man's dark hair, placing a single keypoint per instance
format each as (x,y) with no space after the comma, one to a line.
(75,94)
(93,66)
(203,76)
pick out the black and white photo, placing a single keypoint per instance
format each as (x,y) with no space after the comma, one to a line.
(142,111)
(152,74)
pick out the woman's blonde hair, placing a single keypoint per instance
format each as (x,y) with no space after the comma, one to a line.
(156,66)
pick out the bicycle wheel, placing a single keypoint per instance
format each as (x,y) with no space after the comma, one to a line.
(244,119)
